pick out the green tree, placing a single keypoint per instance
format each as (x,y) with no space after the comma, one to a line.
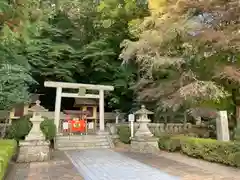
(72,41)
(78,45)
(15,78)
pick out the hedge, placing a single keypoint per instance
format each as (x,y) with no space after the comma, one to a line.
(48,128)
(212,150)
(170,143)
(19,128)
(124,134)
(7,150)
(208,149)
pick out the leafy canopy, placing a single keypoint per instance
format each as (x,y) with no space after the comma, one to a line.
(187,51)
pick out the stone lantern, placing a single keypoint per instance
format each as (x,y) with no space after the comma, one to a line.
(34,148)
(144,141)
(36,133)
(143,130)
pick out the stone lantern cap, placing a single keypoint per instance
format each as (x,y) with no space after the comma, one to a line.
(143,111)
(117,111)
(37,107)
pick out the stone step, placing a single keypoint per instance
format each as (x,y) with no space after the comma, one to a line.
(81,144)
(78,137)
(80,140)
(80,148)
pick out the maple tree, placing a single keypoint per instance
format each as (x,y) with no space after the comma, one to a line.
(188,53)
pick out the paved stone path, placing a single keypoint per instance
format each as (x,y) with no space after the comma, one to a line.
(59,168)
(181,169)
(105,164)
(183,166)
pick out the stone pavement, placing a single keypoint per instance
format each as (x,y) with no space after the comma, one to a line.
(105,164)
(183,166)
(59,168)
(182,170)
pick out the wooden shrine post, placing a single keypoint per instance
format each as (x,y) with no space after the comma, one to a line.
(59,94)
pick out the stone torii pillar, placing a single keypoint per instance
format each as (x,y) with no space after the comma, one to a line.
(101,111)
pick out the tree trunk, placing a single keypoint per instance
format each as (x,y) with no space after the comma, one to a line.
(236,101)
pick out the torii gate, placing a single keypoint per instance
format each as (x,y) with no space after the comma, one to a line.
(59,94)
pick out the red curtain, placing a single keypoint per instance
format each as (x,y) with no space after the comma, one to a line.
(78,126)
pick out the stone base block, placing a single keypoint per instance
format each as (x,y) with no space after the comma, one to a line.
(145,145)
(33,151)
(102,133)
(115,138)
(113,129)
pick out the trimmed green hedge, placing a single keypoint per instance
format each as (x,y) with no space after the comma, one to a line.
(48,128)
(124,134)
(170,143)
(19,128)
(208,149)
(212,150)
(7,150)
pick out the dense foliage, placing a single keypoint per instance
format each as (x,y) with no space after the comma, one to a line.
(188,53)
(72,41)
(16,26)
(181,54)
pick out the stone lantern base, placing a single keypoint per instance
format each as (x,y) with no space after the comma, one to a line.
(33,151)
(144,145)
